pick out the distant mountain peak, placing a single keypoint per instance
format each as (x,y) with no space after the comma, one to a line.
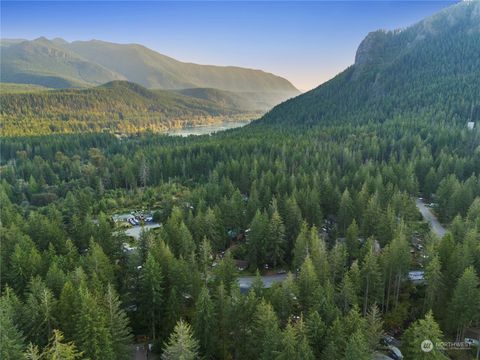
(381,46)
(428,69)
(370,47)
(59,41)
(58,63)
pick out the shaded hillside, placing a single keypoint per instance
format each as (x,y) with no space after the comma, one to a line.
(47,63)
(244,100)
(59,64)
(151,69)
(224,98)
(431,68)
(116,106)
(20,88)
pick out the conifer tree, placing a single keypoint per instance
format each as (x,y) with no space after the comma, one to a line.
(55,278)
(335,341)
(304,349)
(256,240)
(204,322)
(292,216)
(374,327)
(284,298)
(226,272)
(338,260)
(465,304)
(56,349)
(370,274)
(98,263)
(422,330)
(181,344)
(434,280)
(371,217)
(289,344)
(151,294)
(11,339)
(205,257)
(118,324)
(350,288)
(92,335)
(257,285)
(351,240)
(319,255)
(316,331)
(357,347)
(173,311)
(40,312)
(222,311)
(67,309)
(301,247)
(276,239)
(307,285)
(346,212)
(266,333)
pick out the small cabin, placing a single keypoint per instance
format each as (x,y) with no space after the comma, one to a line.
(241,264)
(417,277)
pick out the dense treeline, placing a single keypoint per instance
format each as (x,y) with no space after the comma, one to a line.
(328,197)
(62,259)
(114,107)
(431,68)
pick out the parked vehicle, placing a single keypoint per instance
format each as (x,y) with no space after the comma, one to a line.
(380,356)
(394,353)
(387,339)
(472,342)
(419,247)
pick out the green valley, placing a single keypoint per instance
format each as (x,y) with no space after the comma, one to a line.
(342,224)
(118,106)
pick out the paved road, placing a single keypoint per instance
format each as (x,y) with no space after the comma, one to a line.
(139,354)
(246,281)
(430,218)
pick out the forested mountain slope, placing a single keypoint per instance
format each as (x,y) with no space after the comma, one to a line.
(47,63)
(430,68)
(144,66)
(240,100)
(59,64)
(116,106)
(333,205)
(13,88)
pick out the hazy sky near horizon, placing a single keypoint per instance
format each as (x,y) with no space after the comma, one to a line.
(305,42)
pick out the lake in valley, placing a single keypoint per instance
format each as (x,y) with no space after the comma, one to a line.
(206,129)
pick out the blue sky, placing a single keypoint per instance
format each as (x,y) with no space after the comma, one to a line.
(306,42)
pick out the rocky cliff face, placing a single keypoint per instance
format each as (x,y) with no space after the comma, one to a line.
(381,47)
(370,48)
(430,67)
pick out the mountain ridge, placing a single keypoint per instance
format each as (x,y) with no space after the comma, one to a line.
(57,63)
(431,67)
